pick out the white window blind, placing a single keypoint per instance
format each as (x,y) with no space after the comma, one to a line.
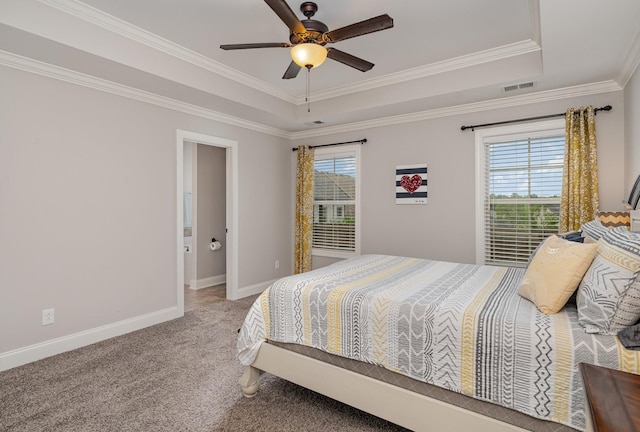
(334,207)
(522,187)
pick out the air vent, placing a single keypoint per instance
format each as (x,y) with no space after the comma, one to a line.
(521,86)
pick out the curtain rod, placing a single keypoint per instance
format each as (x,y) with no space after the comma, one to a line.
(604,108)
(361,141)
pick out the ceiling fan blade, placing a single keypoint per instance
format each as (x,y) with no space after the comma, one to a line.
(349,60)
(292,71)
(282,9)
(256,45)
(371,25)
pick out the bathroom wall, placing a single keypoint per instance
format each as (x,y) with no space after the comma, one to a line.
(211,214)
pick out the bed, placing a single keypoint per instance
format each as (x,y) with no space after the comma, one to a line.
(428,345)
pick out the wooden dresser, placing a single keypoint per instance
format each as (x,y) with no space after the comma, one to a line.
(613,397)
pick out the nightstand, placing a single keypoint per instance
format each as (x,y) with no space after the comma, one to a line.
(613,397)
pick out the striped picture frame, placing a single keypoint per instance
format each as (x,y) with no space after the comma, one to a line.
(411,184)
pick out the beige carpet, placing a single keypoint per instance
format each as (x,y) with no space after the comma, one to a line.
(176,376)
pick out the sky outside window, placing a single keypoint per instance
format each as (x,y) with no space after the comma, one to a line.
(526,168)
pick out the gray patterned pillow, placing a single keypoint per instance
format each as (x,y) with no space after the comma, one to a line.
(606,283)
(593,230)
(628,310)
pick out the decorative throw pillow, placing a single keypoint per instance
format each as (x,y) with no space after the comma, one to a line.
(574,236)
(614,219)
(606,283)
(593,230)
(555,272)
(628,308)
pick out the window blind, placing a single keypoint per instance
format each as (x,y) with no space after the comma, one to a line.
(334,202)
(523,183)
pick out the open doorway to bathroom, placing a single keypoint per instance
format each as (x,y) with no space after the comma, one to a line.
(204,223)
(207,216)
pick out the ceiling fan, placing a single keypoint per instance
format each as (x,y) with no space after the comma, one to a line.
(314,35)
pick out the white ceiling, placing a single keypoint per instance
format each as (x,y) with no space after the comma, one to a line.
(438,55)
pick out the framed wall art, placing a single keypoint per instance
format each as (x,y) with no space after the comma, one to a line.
(411,184)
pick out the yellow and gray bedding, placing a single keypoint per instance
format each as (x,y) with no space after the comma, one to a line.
(461,327)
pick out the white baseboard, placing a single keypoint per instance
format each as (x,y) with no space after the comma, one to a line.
(253,289)
(31,353)
(196,284)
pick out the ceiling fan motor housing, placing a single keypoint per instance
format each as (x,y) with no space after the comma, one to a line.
(315,29)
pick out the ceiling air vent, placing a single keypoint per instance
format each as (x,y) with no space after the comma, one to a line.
(521,86)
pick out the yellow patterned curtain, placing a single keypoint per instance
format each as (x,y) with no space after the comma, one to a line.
(579,201)
(304,209)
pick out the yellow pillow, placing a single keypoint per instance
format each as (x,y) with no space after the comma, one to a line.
(555,273)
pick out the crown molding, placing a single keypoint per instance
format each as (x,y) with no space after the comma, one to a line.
(461,62)
(631,62)
(40,68)
(51,71)
(531,98)
(97,17)
(109,22)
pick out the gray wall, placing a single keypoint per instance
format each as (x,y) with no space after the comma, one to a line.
(632,130)
(87,186)
(88,206)
(444,229)
(211,219)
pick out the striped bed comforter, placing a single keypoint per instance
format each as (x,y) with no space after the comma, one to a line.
(458,326)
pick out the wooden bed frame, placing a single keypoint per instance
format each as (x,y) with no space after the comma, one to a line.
(395,404)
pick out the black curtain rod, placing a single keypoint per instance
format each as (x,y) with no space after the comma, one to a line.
(361,141)
(604,108)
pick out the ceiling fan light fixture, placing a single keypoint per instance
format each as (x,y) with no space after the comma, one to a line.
(308,54)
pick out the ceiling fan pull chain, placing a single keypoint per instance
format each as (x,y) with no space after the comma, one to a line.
(308,97)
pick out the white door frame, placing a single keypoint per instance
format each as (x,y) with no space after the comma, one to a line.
(231,214)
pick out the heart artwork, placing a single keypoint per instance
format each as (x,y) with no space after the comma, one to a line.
(411,184)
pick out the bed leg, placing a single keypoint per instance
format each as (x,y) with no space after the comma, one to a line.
(249,381)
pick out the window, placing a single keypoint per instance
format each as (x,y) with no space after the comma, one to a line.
(335,202)
(519,182)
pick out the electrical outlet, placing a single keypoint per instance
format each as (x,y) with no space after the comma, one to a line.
(276,265)
(48,316)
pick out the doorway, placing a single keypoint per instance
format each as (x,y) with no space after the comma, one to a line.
(231,206)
